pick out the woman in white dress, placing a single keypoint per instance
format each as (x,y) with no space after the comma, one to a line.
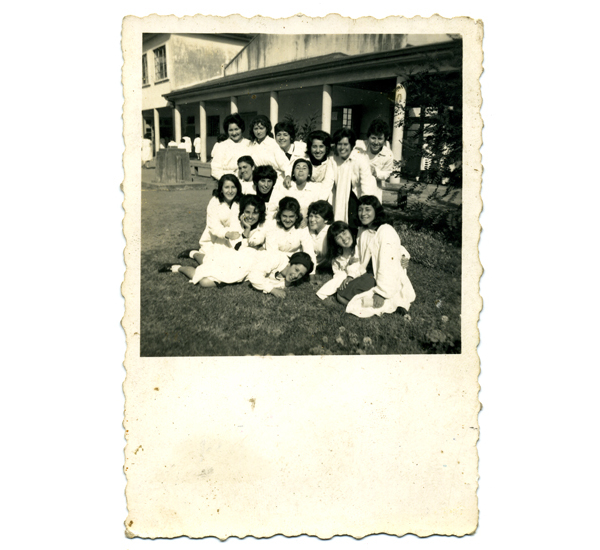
(225,154)
(285,136)
(318,148)
(263,148)
(320,217)
(223,230)
(284,234)
(349,177)
(388,287)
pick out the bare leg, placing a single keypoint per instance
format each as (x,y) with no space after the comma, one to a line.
(207,283)
(341,300)
(199,257)
(187,270)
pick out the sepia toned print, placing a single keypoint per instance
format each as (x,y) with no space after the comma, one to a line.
(305,191)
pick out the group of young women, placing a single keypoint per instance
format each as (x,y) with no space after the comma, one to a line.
(283,209)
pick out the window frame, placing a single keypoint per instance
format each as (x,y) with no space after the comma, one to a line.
(158,76)
(145,73)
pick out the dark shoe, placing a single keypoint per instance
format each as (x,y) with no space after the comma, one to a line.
(186,253)
(401,311)
(165,268)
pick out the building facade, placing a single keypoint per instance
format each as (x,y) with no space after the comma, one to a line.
(327,81)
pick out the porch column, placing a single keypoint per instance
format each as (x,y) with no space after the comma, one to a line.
(398,129)
(326,109)
(156,131)
(274,108)
(177,121)
(233,103)
(203,132)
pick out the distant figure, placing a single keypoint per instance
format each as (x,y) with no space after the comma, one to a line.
(147,148)
(197,146)
(173,143)
(162,144)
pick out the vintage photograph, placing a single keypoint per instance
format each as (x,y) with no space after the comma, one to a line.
(301,194)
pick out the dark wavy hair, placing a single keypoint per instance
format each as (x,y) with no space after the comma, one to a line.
(258,203)
(236,119)
(323,209)
(321,136)
(264,120)
(264,172)
(380,216)
(248,160)
(344,133)
(218,192)
(291,204)
(305,161)
(378,127)
(301,258)
(334,249)
(286,126)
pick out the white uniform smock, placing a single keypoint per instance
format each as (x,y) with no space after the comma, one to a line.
(310,193)
(289,241)
(347,265)
(383,248)
(344,176)
(229,266)
(265,270)
(320,243)
(268,153)
(220,219)
(382,162)
(225,157)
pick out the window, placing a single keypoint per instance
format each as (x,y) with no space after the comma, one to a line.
(145,79)
(212,125)
(160,63)
(347,117)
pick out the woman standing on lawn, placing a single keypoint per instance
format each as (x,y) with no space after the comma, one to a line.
(286,235)
(388,287)
(225,154)
(285,136)
(348,177)
(263,148)
(222,225)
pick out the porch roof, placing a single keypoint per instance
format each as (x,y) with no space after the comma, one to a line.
(325,68)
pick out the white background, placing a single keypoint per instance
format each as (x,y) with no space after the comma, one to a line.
(61,149)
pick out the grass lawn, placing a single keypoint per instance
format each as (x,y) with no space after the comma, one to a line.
(181,319)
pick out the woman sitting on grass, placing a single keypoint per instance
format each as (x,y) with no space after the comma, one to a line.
(320,217)
(263,148)
(228,265)
(285,234)
(388,287)
(245,170)
(343,255)
(222,225)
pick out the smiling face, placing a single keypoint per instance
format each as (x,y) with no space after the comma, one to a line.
(344,148)
(229,190)
(234,132)
(295,272)
(366,214)
(344,239)
(315,222)
(376,143)
(283,140)
(301,172)
(260,131)
(318,149)
(265,185)
(250,214)
(288,219)
(245,171)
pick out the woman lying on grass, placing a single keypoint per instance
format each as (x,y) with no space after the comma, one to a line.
(286,235)
(343,255)
(388,287)
(226,265)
